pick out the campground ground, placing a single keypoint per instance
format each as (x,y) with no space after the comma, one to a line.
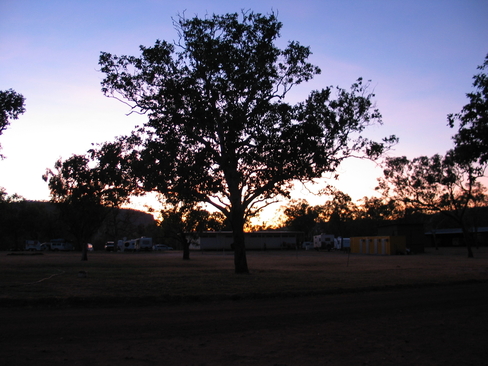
(435,323)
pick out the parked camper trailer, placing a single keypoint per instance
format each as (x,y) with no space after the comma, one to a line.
(144,244)
(127,245)
(33,245)
(323,241)
(135,245)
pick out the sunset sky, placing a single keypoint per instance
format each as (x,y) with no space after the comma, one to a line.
(420,55)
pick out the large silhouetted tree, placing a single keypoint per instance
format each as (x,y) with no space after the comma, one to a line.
(219,130)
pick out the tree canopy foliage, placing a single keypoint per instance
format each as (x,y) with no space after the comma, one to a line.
(84,193)
(12,104)
(380,209)
(298,215)
(219,130)
(433,184)
(471,140)
(339,210)
(180,221)
(339,215)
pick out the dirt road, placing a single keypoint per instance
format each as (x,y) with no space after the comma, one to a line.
(445,325)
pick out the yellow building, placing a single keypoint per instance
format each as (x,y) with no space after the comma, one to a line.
(385,245)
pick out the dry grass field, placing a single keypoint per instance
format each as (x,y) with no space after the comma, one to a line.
(55,317)
(118,278)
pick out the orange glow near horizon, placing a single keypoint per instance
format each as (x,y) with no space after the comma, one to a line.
(357,178)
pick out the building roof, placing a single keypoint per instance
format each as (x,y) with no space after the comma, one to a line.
(483,229)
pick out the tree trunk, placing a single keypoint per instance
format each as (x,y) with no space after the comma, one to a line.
(186,248)
(84,251)
(237,222)
(467,240)
(240,259)
(435,241)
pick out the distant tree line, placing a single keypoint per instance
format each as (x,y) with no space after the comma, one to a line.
(22,220)
(340,216)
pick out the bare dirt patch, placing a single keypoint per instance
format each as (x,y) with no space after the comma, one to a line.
(444,325)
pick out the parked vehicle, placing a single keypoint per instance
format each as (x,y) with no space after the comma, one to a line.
(161,247)
(109,246)
(63,246)
(342,243)
(33,245)
(53,245)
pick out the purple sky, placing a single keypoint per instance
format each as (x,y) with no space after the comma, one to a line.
(420,55)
